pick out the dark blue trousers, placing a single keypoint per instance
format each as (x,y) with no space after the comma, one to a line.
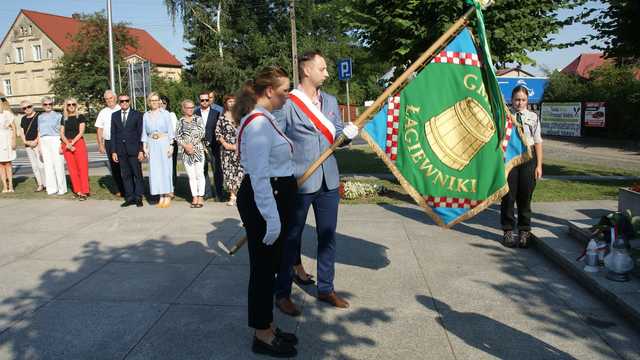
(325,208)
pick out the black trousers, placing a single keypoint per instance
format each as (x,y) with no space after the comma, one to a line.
(131,172)
(264,260)
(175,163)
(522,182)
(216,165)
(115,169)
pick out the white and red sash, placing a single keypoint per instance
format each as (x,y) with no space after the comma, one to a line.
(319,120)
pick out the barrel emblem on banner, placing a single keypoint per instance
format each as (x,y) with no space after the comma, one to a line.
(458,133)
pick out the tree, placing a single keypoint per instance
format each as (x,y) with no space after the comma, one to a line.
(257,33)
(83,70)
(402,29)
(617,26)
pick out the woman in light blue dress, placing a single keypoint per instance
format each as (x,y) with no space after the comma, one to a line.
(157,138)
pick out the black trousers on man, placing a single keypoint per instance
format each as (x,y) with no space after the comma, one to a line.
(522,182)
(216,165)
(131,177)
(264,260)
(115,169)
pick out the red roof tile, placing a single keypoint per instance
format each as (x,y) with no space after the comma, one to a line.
(584,64)
(60,29)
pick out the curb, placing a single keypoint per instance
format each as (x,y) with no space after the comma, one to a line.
(592,282)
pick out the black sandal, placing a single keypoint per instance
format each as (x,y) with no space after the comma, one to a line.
(278,348)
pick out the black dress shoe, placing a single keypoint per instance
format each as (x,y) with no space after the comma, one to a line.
(278,348)
(139,203)
(291,338)
(126,203)
(300,281)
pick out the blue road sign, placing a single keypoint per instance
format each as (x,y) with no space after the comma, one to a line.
(344,69)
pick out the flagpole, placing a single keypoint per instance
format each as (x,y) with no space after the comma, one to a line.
(369,112)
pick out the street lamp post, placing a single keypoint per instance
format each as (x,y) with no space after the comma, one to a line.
(112,73)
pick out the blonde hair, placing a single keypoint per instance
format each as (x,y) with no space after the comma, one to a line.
(25,103)
(65,112)
(152,94)
(185,102)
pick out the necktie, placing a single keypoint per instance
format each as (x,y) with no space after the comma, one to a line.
(124,118)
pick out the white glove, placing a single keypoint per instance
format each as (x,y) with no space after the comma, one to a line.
(350,131)
(273,231)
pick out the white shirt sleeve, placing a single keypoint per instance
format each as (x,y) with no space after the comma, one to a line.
(100,119)
(257,139)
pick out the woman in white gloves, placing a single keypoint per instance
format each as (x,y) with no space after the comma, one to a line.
(265,201)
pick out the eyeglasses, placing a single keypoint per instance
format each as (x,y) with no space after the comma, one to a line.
(124,101)
(71,104)
(155,100)
(204,100)
(164,103)
(47,104)
(27,107)
(189,107)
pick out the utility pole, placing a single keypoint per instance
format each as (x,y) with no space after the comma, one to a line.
(218,26)
(112,73)
(294,42)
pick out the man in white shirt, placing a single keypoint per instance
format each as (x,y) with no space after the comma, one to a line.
(103,125)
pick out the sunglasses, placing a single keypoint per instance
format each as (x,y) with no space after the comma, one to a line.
(47,104)
(27,107)
(124,101)
(72,104)
(204,100)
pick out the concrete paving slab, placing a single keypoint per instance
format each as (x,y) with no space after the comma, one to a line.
(616,332)
(163,250)
(370,333)
(42,278)
(15,309)
(77,330)
(78,250)
(219,285)
(148,282)
(18,244)
(198,332)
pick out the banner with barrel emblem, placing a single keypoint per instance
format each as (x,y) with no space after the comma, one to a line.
(440,138)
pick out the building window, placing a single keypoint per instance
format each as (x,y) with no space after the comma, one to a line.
(49,54)
(30,29)
(7,59)
(7,87)
(19,55)
(37,52)
(23,30)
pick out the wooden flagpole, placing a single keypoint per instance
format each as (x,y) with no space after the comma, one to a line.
(371,110)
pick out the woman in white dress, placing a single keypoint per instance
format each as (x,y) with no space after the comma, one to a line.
(7,145)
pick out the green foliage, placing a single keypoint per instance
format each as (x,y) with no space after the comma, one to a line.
(257,33)
(616,26)
(176,91)
(615,85)
(83,71)
(402,29)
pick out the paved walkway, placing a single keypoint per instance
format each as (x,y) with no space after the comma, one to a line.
(92,280)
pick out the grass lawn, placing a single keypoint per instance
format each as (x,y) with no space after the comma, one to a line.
(102,188)
(360,159)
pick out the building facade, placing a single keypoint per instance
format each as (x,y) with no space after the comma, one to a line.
(36,40)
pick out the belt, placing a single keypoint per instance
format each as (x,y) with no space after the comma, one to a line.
(157,135)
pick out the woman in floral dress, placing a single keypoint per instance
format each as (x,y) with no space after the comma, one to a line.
(226,130)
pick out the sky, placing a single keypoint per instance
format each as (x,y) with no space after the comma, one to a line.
(151,15)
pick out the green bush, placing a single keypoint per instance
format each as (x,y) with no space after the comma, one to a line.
(615,85)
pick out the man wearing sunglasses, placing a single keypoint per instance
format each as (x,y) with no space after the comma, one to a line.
(126,146)
(210,118)
(103,124)
(29,135)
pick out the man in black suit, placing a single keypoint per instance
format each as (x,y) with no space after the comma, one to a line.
(126,149)
(210,118)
